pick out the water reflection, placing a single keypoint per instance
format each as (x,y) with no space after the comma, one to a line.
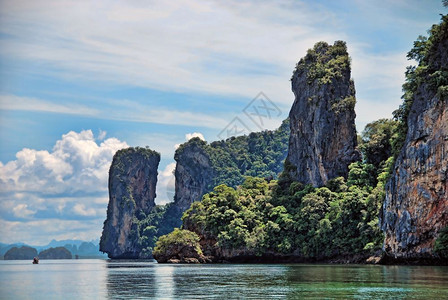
(52,279)
(129,280)
(98,279)
(165,285)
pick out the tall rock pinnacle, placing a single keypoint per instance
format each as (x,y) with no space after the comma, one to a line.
(132,190)
(322,119)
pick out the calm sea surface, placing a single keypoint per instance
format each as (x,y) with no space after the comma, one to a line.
(102,279)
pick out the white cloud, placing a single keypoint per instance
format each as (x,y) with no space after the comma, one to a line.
(117,110)
(22,211)
(76,164)
(40,232)
(102,135)
(65,185)
(189,136)
(81,210)
(165,184)
(13,102)
(232,48)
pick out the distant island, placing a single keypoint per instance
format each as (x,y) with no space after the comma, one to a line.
(55,253)
(23,252)
(75,249)
(311,191)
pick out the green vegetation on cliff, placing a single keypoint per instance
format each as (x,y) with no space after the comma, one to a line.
(178,242)
(258,154)
(160,221)
(428,71)
(260,217)
(441,245)
(322,65)
(286,217)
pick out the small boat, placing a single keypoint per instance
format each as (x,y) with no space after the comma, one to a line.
(35,260)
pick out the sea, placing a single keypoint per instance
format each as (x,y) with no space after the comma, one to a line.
(109,279)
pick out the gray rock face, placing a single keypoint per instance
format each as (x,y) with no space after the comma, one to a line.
(322,119)
(132,190)
(193,174)
(416,204)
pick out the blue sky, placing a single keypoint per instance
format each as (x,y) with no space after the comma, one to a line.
(81,79)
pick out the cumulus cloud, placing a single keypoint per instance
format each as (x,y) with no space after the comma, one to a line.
(77,164)
(67,183)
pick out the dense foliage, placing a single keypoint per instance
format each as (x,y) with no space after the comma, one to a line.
(311,222)
(146,228)
(257,154)
(341,218)
(284,216)
(427,55)
(177,239)
(377,139)
(324,62)
(441,245)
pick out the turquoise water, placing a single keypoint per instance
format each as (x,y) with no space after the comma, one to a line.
(101,279)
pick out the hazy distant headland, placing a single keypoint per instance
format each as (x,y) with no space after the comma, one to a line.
(65,249)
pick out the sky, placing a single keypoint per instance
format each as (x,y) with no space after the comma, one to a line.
(80,80)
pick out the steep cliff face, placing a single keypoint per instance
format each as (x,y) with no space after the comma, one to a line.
(416,204)
(194,173)
(132,189)
(322,119)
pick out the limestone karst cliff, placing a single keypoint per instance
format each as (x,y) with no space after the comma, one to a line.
(132,190)
(194,173)
(322,119)
(415,209)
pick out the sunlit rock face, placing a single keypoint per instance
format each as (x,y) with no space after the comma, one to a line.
(322,119)
(416,204)
(132,190)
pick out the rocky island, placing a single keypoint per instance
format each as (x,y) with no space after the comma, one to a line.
(311,191)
